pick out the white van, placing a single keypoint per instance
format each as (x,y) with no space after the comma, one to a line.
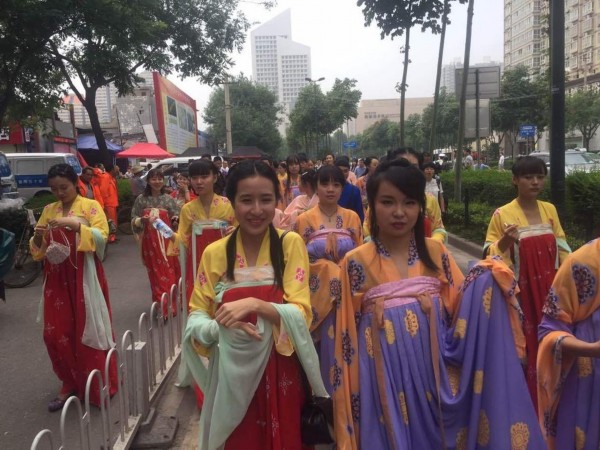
(8,185)
(31,170)
(179,163)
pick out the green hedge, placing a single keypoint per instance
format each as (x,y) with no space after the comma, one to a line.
(490,189)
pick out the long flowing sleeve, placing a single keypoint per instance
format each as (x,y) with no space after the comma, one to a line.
(136,212)
(95,216)
(296,274)
(494,233)
(438,231)
(452,280)
(561,239)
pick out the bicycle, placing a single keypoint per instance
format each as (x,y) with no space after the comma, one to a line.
(25,270)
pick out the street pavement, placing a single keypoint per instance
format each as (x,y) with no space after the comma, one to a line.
(27,382)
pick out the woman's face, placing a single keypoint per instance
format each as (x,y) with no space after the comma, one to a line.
(396,213)
(63,189)
(329,192)
(530,186)
(294,168)
(429,173)
(156,183)
(373,166)
(203,184)
(328,161)
(254,205)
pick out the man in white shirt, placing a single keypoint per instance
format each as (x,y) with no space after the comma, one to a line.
(501,161)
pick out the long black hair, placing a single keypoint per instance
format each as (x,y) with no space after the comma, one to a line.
(290,160)
(202,167)
(325,174)
(241,171)
(529,165)
(63,170)
(410,181)
(151,174)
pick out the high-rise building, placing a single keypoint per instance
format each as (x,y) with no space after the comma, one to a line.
(278,62)
(525,41)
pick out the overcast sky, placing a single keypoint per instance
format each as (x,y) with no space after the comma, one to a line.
(341,46)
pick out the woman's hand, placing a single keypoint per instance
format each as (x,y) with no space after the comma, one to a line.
(229,230)
(249,328)
(236,311)
(40,230)
(509,237)
(65,222)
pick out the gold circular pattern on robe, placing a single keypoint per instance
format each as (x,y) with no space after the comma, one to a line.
(369,341)
(461,439)
(483,430)
(330,332)
(478,382)
(403,407)
(579,438)
(453,378)
(519,436)
(460,329)
(584,366)
(487,301)
(390,334)
(411,322)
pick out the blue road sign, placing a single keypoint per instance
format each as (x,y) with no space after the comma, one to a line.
(527,131)
(350,144)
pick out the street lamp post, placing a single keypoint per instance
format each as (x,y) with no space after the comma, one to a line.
(314,84)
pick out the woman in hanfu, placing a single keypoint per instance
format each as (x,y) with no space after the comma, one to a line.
(290,185)
(250,312)
(71,237)
(305,201)
(568,364)
(184,192)
(329,232)
(209,213)
(527,235)
(371,164)
(163,270)
(423,360)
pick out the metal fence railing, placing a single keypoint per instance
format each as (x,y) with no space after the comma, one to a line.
(143,364)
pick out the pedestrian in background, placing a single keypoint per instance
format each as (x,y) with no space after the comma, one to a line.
(184,192)
(70,237)
(138,184)
(290,185)
(155,206)
(87,186)
(501,161)
(350,198)
(433,184)
(370,166)
(527,235)
(360,168)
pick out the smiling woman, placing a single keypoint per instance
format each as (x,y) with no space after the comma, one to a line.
(250,284)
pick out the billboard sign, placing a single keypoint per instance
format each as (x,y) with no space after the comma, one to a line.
(176,114)
(489,82)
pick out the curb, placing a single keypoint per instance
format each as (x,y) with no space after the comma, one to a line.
(476,251)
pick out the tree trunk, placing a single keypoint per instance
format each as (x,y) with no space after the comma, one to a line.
(90,106)
(403,85)
(463,101)
(436,95)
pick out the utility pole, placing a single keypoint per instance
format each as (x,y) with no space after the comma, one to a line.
(557,124)
(229,149)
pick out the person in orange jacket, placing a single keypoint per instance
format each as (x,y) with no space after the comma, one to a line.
(88,187)
(110,196)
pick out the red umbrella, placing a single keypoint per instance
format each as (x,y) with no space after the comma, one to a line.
(144,150)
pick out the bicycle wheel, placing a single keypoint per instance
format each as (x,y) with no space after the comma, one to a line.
(24,271)
(124,218)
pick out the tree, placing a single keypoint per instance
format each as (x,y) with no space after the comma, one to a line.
(446,128)
(522,101)
(342,102)
(29,85)
(380,137)
(583,113)
(396,18)
(254,113)
(309,118)
(415,135)
(108,41)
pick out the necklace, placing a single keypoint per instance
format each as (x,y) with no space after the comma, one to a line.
(329,216)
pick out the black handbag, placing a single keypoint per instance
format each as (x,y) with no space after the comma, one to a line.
(316,417)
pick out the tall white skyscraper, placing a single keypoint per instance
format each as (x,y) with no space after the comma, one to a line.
(278,62)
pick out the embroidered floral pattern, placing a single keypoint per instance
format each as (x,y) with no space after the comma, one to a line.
(300,272)
(315,314)
(314,283)
(335,291)
(381,250)
(339,222)
(551,305)
(413,254)
(307,232)
(335,375)
(347,349)
(473,274)
(356,273)
(585,282)
(202,278)
(355,402)
(240,260)
(447,269)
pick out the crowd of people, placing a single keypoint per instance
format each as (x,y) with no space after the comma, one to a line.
(333,278)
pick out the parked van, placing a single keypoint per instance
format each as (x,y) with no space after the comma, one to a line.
(8,185)
(180,164)
(31,170)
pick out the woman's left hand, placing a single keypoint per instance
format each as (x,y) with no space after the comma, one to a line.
(229,230)
(63,222)
(236,311)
